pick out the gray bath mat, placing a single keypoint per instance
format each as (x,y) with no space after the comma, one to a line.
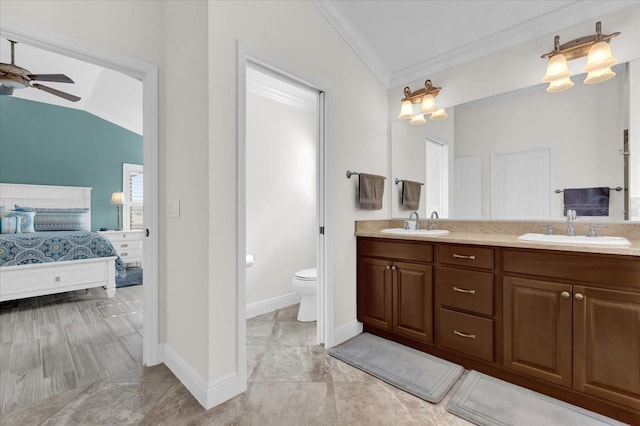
(420,374)
(484,400)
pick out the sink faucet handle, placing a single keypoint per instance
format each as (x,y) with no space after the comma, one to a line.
(592,230)
(430,223)
(549,230)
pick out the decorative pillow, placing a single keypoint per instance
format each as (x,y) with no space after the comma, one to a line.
(10,225)
(27,220)
(51,219)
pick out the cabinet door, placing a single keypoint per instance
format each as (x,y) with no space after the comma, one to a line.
(413,301)
(374,292)
(607,344)
(537,329)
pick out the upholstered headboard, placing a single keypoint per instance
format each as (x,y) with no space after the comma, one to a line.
(45,196)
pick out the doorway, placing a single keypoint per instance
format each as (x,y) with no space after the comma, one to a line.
(255,61)
(148,74)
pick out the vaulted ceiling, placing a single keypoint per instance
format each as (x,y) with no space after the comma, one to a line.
(108,94)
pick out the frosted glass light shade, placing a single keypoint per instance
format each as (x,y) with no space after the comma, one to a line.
(599,76)
(428,105)
(600,58)
(557,69)
(560,85)
(406,111)
(440,114)
(418,119)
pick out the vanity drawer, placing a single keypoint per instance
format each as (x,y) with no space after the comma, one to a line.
(467,290)
(475,257)
(402,250)
(468,334)
(599,269)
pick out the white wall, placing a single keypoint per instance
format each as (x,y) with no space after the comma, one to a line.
(298,35)
(583,127)
(281,195)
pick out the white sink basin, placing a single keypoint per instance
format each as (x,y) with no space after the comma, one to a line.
(578,240)
(426,232)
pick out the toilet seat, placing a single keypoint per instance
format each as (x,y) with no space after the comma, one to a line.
(310,274)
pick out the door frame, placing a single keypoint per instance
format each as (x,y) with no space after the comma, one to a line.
(148,75)
(246,56)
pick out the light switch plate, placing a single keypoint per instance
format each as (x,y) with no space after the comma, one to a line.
(174,208)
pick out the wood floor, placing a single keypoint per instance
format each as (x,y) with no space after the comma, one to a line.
(52,344)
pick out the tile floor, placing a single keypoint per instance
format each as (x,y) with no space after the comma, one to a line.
(56,343)
(291,382)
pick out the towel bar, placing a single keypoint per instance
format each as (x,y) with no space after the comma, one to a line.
(350,173)
(617,188)
(402,180)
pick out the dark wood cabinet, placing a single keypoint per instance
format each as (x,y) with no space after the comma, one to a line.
(606,344)
(537,329)
(566,324)
(582,336)
(396,295)
(413,300)
(374,292)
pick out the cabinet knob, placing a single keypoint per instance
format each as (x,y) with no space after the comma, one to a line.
(393,268)
(565,294)
(579,296)
(388,267)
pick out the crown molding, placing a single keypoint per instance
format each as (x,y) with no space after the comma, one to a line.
(355,39)
(572,14)
(565,17)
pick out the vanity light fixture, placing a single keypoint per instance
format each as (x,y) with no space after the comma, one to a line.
(426,98)
(599,60)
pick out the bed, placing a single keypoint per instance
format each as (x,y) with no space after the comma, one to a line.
(27,275)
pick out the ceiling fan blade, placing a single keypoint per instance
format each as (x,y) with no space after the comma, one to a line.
(57,78)
(6,90)
(56,92)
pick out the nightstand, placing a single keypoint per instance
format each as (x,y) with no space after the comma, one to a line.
(128,244)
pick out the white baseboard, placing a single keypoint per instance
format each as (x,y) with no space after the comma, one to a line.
(270,305)
(346,332)
(208,394)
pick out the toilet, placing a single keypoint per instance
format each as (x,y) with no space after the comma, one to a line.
(305,282)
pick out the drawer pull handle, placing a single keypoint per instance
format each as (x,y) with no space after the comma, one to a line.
(465,335)
(462,290)
(124,245)
(463,256)
(124,254)
(57,279)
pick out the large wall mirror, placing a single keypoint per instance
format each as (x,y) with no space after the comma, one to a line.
(508,154)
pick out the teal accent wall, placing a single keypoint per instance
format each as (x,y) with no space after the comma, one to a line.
(52,145)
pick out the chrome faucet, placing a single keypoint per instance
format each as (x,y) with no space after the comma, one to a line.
(571,216)
(430,223)
(417,219)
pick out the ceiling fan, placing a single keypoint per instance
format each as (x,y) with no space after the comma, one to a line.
(14,77)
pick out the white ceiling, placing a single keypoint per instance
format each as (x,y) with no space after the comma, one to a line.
(403,41)
(108,94)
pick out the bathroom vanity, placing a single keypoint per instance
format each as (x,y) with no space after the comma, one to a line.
(561,320)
